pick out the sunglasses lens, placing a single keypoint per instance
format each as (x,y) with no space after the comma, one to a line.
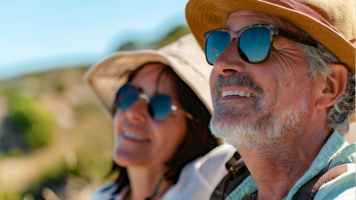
(160,107)
(126,96)
(254,44)
(215,44)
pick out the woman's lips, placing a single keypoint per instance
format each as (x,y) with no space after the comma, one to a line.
(133,133)
(133,137)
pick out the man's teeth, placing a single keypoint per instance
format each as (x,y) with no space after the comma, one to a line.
(134,136)
(236,93)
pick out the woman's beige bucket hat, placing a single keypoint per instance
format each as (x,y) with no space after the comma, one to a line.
(331,22)
(184,56)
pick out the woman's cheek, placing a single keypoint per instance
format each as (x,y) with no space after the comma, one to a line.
(169,135)
(177,132)
(119,119)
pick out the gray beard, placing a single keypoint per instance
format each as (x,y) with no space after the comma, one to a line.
(260,127)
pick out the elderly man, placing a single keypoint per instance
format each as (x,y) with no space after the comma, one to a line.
(283,90)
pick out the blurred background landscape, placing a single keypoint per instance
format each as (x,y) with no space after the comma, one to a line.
(55,142)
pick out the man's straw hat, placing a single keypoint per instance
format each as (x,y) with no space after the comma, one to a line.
(331,22)
(184,56)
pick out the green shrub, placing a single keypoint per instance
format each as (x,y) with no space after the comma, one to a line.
(33,122)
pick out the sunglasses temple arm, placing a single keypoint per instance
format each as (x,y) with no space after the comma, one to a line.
(296,37)
(185,113)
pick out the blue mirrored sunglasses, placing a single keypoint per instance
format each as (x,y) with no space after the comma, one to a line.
(159,106)
(253,42)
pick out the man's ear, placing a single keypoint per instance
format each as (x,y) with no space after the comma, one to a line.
(333,87)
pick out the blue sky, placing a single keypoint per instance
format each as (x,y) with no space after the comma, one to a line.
(39,35)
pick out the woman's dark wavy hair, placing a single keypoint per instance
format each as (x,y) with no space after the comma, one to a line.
(197,132)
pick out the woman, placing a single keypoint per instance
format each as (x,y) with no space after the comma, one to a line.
(160,105)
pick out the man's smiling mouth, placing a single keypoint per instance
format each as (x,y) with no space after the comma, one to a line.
(236,93)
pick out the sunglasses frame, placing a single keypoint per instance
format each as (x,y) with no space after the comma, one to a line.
(148,99)
(274,30)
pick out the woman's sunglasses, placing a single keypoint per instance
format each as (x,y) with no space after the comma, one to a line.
(159,106)
(253,42)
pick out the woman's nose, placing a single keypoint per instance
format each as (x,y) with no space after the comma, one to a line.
(137,112)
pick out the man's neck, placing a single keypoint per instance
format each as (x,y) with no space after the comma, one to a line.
(143,182)
(277,167)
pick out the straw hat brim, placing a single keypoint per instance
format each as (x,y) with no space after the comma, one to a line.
(112,72)
(203,16)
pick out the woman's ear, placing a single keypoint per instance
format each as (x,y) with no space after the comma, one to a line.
(333,87)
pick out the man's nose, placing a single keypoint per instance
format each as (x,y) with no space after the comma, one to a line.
(137,112)
(229,61)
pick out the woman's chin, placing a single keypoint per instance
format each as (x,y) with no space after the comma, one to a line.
(126,159)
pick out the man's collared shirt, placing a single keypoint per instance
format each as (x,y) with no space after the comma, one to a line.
(336,151)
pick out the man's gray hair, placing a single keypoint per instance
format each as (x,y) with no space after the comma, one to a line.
(319,59)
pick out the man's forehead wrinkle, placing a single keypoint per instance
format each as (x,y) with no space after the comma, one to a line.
(263,18)
(240,19)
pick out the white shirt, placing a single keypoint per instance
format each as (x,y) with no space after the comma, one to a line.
(197,179)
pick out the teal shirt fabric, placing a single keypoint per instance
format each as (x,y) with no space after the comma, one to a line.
(336,151)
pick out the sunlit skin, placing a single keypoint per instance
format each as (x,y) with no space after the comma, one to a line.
(284,77)
(145,160)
